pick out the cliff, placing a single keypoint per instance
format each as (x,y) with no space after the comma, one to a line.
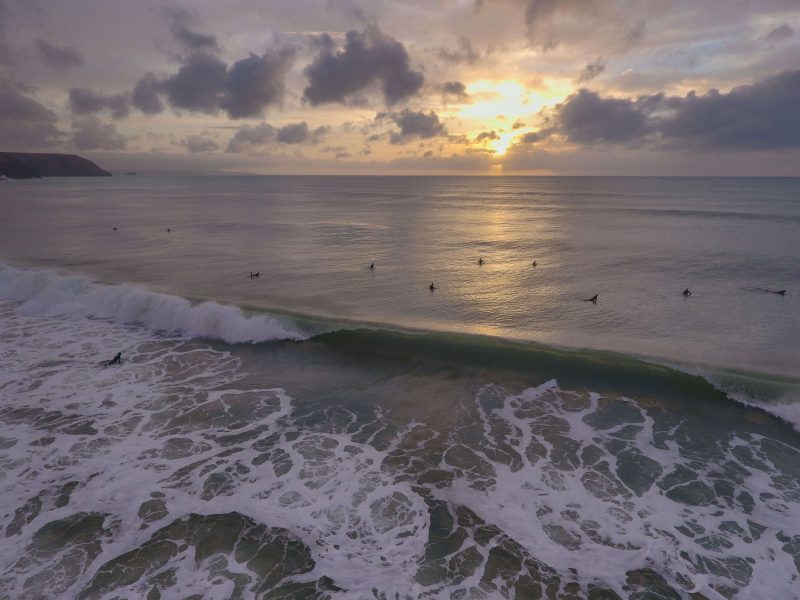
(21,165)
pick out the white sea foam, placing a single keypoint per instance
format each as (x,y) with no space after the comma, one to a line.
(157,428)
(176,426)
(46,293)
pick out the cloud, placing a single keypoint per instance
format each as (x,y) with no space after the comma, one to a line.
(5,51)
(591,71)
(24,123)
(205,84)
(91,134)
(145,95)
(298,133)
(256,82)
(57,57)
(455,89)
(247,137)
(185,36)
(197,144)
(760,116)
(485,136)
(780,34)
(84,101)
(199,85)
(369,57)
(533,137)
(413,125)
(464,53)
(518,124)
(587,118)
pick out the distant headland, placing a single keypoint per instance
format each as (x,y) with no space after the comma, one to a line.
(24,165)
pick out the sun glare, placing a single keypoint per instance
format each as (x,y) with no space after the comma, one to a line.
(509,99)
(500,145)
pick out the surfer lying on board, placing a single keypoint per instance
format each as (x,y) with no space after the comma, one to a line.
(117,360)
(593,299)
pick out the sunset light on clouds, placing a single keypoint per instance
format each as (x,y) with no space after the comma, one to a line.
(323,86)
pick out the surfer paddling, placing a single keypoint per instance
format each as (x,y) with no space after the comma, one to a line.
(687,293)
(593,299)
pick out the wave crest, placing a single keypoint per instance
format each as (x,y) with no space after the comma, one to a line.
(46,293)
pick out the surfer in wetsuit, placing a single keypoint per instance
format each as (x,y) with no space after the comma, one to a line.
(117,360)
(256,274)
(687,293)
(431,287)
(480,261)
(593,299)
(372,267)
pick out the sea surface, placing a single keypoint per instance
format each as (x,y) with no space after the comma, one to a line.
(331,430)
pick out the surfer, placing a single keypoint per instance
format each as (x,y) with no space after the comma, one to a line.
(168,230)
(593,299)
(115,229)
(431,287)
(480,261)
(687,293)
(779,292)
(117,360)
(372,267)
(256,274)
(534,263)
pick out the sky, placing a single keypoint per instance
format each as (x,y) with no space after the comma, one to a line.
(478,87)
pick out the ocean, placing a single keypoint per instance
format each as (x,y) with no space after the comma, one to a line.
(331,430)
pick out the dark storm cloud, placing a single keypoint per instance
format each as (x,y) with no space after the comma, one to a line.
(188,38)
(368,57)
(413,125)
(462,53)
(84,101)
(591,71)
(57,57)
(197,144)
(455,89)
(761,116)
(91,134)
(24,123)
(780,34)
(145,95)
(485,136)
(205,84)
(248,137)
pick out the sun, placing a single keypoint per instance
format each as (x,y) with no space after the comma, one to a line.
(503,141)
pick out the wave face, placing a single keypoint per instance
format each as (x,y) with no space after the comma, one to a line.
(179,474)
(46,293)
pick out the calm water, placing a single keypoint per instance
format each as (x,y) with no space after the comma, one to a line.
(369,444)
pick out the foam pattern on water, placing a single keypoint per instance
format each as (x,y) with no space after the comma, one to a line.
(168,475)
